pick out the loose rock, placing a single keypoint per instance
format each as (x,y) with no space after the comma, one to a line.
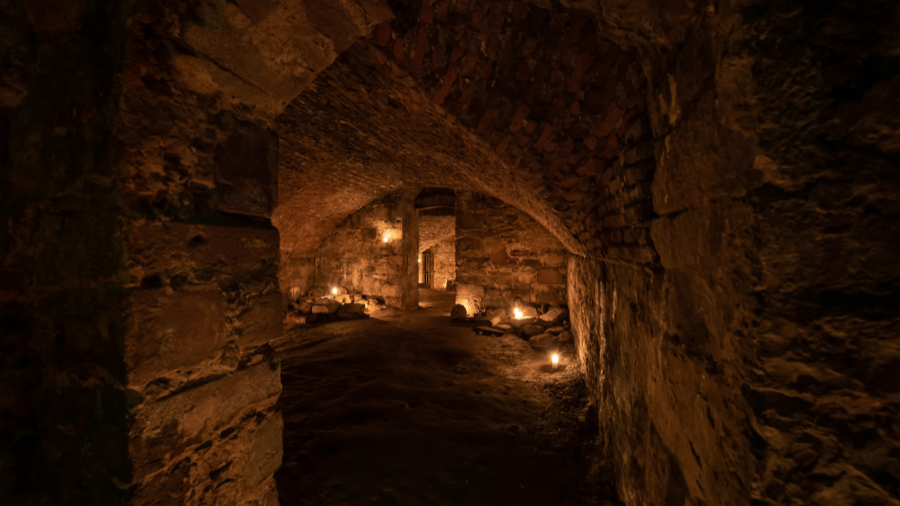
(543,342)
(517,323)
(458,312)
(555,315)
(351,311)
(326,307)
(532,330)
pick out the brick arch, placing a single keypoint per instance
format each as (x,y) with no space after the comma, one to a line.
(529,105)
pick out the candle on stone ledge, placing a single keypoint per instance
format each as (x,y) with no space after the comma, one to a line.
(518,313)
(555,361)
(334,291)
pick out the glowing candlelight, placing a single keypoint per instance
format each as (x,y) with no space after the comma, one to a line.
(334,291)
(518,313)
(555,360)
(385,238)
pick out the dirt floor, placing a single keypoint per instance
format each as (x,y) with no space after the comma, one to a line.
(406,408)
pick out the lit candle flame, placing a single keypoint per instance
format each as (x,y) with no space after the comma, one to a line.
(555,360)
(385,239)
(334,291)
(518,313)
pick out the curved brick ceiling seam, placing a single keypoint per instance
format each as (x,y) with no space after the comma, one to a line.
(518,102)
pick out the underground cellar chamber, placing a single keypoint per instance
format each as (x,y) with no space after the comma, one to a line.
(718,180)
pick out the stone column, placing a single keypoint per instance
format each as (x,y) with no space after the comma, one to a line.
(409,297)
(470,229)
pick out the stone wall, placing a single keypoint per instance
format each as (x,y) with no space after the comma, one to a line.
(741,365)
(740,351)
(444,263)
(438,234)
(138,284)
(502,254)
(356,257)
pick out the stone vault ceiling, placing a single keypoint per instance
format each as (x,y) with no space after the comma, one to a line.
(529,105)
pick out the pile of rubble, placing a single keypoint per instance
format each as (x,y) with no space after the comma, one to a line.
(546,328)
(321,305)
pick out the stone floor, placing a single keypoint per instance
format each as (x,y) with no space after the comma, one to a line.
(407,408)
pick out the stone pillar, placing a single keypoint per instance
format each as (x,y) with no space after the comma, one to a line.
(469,231)
(409,297)
(202,305)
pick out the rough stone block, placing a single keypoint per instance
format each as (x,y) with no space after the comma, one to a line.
(201,251)
(170,331)
(531,330)
(246,174)
(261,323)
(265,452)
(326,307)
(489,331)
(550,277)
(543,342)
(350,311)
(163,428)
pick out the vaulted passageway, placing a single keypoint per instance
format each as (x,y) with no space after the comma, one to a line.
(722,176)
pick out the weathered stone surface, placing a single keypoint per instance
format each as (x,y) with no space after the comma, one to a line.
(502,253)
(497,311)
(326,306)
(350,311)
(295,319)
(489,331)
(458,312)
(521,322)
(353,259)
(261,320)
(261,58)
(246,175)
(555,330)
(564,336)
(170,331)
(555,315)
(531,330)
(437,236)
(409,279)
(543,342)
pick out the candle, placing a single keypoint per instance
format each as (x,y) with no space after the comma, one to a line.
(555,361)
(518,313)
(334,291)
(385,239)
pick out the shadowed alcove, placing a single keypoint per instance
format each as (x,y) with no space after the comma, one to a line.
(709,189)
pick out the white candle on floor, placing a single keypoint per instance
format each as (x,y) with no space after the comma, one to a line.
(555,361)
